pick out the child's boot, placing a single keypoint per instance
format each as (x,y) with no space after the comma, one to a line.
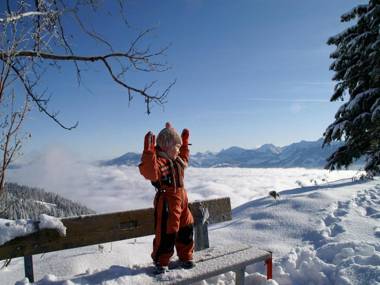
(159,269)
(188,264)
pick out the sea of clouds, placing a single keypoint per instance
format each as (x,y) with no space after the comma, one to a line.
(118,188)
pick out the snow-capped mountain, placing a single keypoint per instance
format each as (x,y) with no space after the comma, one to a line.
(129,159)
(308,154)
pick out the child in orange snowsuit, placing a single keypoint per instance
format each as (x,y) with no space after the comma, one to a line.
(164,166)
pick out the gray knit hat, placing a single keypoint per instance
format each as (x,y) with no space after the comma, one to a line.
(168,137)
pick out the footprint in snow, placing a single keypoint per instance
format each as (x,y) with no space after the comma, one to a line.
(377,232)
(340,212)
(375,216)
(331,219)
(368,203)
(370,211)
(343,208)
(336,229)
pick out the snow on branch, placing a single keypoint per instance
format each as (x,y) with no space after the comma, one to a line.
(358,99)
(357,11)
(17,17)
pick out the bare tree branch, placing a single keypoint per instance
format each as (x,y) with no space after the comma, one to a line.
(9,150)
(38,36)
(39,102)
(31,53)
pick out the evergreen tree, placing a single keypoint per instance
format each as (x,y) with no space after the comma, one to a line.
(357,72)
(22,202)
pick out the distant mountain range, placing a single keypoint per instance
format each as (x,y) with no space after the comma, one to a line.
(307,154)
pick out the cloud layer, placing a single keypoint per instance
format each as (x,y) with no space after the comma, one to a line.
(118,188)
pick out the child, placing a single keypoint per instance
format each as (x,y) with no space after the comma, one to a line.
(164,166)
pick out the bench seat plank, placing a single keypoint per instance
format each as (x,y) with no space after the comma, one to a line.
(215,261)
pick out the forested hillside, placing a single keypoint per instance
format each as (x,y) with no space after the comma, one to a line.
(23,202)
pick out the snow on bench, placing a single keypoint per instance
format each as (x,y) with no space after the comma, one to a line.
(215,261)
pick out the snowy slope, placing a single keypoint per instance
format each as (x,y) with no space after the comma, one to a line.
(327,233)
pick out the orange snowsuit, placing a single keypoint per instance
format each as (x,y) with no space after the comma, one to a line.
(173,219)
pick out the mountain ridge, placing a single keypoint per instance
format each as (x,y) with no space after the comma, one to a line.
(307,154)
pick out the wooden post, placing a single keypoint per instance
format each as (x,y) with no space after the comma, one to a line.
(268,263)
(28,265)
(240,276)
(201,228)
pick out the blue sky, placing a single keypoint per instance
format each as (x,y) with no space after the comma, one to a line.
(248,73)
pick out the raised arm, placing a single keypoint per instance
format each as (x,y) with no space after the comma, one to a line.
(148,166)
(184,151)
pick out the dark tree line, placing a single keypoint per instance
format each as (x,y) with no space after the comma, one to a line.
(23,202)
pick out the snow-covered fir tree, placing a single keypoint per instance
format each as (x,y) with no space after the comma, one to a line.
(357,72)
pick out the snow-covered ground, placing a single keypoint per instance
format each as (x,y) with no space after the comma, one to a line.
(323,230)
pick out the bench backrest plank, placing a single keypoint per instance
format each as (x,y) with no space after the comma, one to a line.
(95,229)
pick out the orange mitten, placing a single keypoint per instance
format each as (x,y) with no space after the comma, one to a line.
(149,142)
(185,137)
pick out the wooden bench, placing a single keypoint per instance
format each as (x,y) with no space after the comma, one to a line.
(97,229)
